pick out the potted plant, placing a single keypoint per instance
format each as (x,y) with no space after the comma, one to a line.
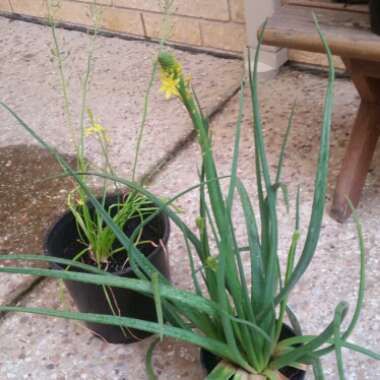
(67,239)
(237,320)
(82,235)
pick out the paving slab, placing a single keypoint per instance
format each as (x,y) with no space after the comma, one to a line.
(329,279)
(29,83)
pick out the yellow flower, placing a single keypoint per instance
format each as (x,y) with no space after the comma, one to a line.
(96,128)
(178,69)
(169,86)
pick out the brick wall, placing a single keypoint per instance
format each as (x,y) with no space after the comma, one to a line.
(208,24)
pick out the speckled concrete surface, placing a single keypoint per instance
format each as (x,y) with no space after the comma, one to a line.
(29,83)
(333,276)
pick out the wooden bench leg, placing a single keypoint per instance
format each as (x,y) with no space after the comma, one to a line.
(357,160)
(365,133)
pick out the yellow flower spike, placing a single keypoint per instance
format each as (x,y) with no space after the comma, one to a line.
(178,69)
(169,86)
(92,130)
(96,128)
(89,131)
(168,62)
(172,76)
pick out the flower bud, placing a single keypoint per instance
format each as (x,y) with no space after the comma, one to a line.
(167,62)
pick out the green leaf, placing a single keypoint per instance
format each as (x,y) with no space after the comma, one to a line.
(298,353)
(318,370)
(57,260)
(296,326)
(235,158)
(284,144)
(285,193)
(157,302)
(338,351)
(361,290)
(257,273)
(320,182)
(267,206)
(223,371)
(212,345)
(361,350)
(149,360)
(196,284)
(182,297)
(362,275)
(243,305)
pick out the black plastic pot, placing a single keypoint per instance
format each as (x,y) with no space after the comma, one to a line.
(210,361)
(374,10)
(62,241)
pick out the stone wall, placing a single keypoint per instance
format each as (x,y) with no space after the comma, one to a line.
(207,24)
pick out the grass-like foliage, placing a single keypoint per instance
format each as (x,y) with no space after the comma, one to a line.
(97,238)
(236,317)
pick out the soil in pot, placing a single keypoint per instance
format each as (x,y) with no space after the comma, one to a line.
(210,361)
(63,241)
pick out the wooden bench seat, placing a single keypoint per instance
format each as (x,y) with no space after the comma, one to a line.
(349,36)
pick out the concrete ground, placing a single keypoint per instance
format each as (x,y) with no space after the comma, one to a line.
(39,348)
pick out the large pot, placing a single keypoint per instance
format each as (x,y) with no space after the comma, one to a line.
(374,10)
(63,241)
(210,361)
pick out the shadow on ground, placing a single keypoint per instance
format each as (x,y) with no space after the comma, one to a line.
(30,198)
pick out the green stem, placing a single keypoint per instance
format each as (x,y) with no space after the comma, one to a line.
(143,121)
(165,33)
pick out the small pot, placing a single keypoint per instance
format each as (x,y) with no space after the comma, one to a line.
(374,10)
(63,241)
(210,361)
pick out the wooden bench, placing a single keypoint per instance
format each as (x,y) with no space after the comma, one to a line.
(349,37)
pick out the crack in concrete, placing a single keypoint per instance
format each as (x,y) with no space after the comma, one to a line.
(22,292)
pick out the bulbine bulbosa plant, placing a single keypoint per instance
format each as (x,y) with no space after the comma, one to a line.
(236,317)
(96,237)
